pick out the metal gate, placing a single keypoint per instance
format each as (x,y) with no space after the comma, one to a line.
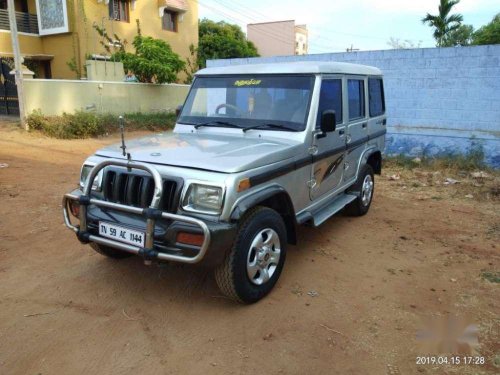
(9,102)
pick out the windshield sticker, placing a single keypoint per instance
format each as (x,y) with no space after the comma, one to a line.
(247,82)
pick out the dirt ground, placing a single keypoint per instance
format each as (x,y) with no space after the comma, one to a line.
(351,298)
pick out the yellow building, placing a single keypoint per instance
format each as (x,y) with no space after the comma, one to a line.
(57,36)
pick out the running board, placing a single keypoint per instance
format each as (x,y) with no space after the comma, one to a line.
(323,214)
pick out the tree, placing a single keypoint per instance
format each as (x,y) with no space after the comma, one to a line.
(461,36)
(444,22)
(153,60)
(488,34)
(397,43)
(107,41)
(221,40)
(192,64)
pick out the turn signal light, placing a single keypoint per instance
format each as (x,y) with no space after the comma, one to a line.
(243,185)
(74,208)
(190,238)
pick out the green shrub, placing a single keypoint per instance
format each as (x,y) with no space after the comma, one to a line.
(55,127)
(87,124)
(473,159)
(37,121)
(83,125)
(153,60)
(150,121)
(492,277)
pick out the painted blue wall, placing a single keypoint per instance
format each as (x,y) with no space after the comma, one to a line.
(439,100)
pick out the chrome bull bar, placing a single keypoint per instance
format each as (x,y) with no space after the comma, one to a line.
(152,213)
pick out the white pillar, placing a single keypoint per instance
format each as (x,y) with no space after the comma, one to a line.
(18,61)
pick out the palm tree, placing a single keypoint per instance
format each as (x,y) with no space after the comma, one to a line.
(444,22)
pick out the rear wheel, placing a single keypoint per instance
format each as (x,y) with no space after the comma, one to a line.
(110,252)
(254,263)
(363,188)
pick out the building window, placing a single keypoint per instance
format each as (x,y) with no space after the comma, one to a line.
(119,10)
(169,20)
(356,91)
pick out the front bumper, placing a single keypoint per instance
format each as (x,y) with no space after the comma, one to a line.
(160,227)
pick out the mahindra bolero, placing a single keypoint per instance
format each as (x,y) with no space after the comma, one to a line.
(256,151)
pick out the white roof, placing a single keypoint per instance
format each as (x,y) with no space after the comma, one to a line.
(298,67)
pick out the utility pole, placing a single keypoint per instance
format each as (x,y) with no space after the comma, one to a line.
(18,61)
(352,49)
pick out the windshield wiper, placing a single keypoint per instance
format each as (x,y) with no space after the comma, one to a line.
(216,123)
(269,125)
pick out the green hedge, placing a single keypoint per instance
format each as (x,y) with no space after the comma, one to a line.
(87,124)
(473,159)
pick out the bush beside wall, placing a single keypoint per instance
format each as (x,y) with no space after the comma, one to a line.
(87,124)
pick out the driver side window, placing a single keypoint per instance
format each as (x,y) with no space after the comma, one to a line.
(330,97)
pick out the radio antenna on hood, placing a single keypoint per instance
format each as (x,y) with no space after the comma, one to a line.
(121,121)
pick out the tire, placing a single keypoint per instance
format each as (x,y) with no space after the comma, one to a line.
(361,205)
(242,275)
(110,252)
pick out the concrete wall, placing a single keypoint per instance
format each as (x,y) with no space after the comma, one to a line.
(53,97)
(105,71)
(439,100)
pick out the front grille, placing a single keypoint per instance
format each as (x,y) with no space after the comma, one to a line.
(137,190)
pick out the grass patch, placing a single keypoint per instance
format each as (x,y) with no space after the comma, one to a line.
(470,161)
(87,124)
(492,277)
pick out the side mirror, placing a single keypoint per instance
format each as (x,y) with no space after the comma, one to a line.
(328,121)
(178,111)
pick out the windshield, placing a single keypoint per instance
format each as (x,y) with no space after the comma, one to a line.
(263,101)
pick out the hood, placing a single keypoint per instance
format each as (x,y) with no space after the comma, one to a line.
(215,152)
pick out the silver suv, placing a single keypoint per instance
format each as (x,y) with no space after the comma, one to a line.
(257,150)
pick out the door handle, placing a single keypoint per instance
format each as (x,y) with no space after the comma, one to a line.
(341,132)
(364,125)
(381,122)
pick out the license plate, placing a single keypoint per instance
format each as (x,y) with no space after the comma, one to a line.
(122,234)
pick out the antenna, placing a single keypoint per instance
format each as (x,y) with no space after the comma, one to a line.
(121,121)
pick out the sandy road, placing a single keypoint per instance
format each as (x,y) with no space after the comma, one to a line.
(67,310)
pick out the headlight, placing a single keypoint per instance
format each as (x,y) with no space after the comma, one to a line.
(85,174)
(203,198)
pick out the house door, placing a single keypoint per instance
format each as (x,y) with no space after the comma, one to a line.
(9,103)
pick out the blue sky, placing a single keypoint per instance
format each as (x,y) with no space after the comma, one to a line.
(335,25)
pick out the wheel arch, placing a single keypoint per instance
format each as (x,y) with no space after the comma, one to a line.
(374,159)
(276,198)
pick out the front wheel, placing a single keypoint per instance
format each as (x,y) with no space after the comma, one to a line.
(254,263)
(363,188)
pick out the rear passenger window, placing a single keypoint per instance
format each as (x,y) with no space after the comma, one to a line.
(356,92)
(376,93)
(330,98)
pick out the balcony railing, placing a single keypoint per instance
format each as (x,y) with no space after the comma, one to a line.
(26,22)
